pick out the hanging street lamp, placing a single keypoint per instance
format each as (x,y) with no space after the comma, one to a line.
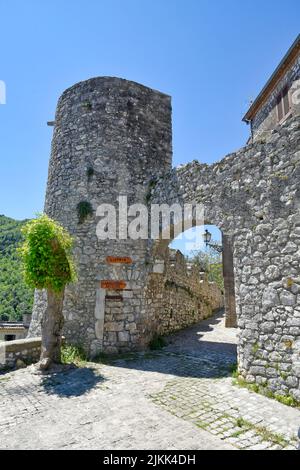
(207,241)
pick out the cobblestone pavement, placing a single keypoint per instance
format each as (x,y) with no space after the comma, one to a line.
(181,397)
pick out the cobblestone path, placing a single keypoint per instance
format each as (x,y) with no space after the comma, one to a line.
(181,397)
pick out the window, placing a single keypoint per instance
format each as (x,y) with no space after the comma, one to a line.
(283,104)
(10,337)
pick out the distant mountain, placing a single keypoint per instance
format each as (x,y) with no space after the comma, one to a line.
(15,297)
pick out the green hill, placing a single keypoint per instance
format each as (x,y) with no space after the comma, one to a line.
(15,297)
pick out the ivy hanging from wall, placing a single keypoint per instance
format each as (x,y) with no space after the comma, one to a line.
(84,209)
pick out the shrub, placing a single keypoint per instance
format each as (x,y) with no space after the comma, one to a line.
(73,354)
(46,254)
(157,342)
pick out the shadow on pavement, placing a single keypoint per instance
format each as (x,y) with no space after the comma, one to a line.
(206,349)
(73,382)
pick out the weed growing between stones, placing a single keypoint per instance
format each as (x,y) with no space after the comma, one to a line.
(90,172)
(261,431)
(157,342)
(233,369)
(262,390)
(151,186)
(84,209)
(71,354)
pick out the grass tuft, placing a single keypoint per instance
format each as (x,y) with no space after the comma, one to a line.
(157,342)
(71,354)
(263,390)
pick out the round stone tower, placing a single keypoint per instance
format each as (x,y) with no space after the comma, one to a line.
(112,138)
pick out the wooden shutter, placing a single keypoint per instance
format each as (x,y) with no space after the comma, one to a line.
(279,107)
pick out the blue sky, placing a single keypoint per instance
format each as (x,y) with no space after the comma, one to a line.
(212,56)
(191,241)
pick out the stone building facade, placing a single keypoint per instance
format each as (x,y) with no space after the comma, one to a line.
(279,99)
(10,331)
(113,137)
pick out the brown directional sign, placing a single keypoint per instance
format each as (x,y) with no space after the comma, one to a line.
(118,260)
(113,285)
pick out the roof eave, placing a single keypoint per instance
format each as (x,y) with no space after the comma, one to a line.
(289,58)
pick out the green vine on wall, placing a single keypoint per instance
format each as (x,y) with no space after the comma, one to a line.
(47,254)
(87,106)
(90,172)
(151,186)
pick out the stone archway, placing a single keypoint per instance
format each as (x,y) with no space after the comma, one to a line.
(178,294)
(113,137)
(190,279)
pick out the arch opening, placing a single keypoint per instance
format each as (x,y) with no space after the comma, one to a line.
(215,257)
(187,289)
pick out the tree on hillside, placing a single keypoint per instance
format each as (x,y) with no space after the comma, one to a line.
(47,262)
(210,262)
(16,297)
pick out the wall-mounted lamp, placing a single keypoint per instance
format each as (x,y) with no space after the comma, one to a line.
(207,239)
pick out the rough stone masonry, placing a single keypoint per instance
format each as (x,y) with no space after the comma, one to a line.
(113,137)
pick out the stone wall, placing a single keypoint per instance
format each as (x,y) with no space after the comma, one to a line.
(266,118)
(253,196)
(176,296)
(19,352)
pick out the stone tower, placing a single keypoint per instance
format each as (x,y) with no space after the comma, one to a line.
(111,138)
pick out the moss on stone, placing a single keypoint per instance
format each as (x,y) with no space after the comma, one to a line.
(84,209)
